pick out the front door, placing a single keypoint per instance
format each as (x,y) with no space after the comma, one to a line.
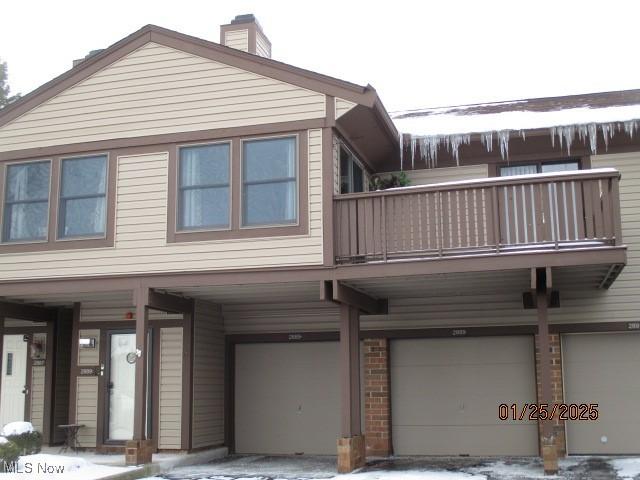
(14,379)
(121,386)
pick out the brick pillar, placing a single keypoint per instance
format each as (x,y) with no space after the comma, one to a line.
(556,390)
(377,401)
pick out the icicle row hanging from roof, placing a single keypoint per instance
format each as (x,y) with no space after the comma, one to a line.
(428,145)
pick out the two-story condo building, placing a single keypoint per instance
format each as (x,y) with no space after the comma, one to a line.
(191,256)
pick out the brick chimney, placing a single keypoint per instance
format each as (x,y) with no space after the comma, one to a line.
(245,33)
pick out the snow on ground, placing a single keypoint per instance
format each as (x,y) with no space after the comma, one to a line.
(53,467)
(411,475)
(626,468)
(16,428)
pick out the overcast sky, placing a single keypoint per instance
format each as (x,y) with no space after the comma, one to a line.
(415,53)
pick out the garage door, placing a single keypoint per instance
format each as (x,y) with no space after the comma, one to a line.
(446,393)
(287,398)
(603,369)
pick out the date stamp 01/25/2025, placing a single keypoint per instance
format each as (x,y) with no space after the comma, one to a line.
(544,411)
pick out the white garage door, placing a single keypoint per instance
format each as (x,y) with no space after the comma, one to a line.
(603,369)
(446,393)
(287,398)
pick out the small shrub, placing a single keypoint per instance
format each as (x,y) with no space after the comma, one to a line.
(28,443)
(392,181)
(9,452)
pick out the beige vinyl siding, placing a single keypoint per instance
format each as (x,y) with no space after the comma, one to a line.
(159,90)
(280,317)
(87,410)
(170,389)
(89,356)
(427,176)
(238,39)
(37,397)
(141,226)
(620,302)
(263,48)
(343,106)
(208,375)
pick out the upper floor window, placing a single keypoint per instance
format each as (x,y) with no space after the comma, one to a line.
(351,173)
(203,187)
(539,167)
(83,197)
(269,182)
(26,202)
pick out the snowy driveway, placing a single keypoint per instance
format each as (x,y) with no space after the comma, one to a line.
(407,468)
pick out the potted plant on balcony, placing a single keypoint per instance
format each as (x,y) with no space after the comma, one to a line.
(378,182)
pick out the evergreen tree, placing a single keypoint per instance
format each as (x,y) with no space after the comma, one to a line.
(5,97)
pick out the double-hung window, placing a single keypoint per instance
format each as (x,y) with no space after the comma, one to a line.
(203,187)
(351,174)
(26,202)
(83,197)
(269,182)
(539,167)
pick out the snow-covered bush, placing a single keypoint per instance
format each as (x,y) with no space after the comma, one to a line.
(9,452)
(25,438)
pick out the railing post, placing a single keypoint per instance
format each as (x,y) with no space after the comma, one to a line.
(496,218)
(441,225)
(615,210)
(384,227)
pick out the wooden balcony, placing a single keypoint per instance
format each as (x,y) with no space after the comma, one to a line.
(560,211)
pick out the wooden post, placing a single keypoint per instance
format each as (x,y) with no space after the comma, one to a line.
(350,370)
(542,278)
(141,298)
(351,448)
(73,374)
(1,350)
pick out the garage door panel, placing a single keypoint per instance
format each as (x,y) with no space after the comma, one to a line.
(287,398)
(459,440)
(451,388)
(603,369)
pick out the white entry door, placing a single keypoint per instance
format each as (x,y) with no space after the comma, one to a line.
(14,379)
(121,386)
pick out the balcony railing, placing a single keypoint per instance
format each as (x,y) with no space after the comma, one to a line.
(564,210)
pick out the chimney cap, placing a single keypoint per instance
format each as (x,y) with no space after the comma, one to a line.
(246,18)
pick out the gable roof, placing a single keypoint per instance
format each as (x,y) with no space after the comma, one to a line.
(362,95)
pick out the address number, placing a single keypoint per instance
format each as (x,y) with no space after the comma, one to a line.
(458,332)
(295,336)
(634,325)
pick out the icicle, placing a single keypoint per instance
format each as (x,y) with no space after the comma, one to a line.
(454,142)
(552,131)
(608,130)
(401,151)
(523,134)
(413,151)
(593,137)
(630,126)
(503,140)
(487,140)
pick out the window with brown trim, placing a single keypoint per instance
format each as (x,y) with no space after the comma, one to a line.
(538,167)
(204,187)
(82,206)
(269,182)
(76,211)
(267,190)
(26,202)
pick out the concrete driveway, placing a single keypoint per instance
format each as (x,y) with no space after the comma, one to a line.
(238,467)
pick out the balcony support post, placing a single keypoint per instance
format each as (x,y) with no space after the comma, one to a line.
(541,285)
